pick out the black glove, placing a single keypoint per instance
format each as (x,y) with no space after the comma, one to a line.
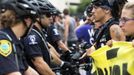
(65,65)
(67,69)
(66,56)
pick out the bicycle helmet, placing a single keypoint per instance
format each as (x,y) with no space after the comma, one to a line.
(22,8)
(56,12)
(53,10)
(42,7)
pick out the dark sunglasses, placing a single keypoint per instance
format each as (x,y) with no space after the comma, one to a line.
(48,15)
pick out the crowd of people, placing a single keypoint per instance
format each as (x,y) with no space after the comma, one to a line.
(35,37)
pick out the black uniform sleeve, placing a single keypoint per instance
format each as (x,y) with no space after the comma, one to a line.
(32,48)
(53,34)
(7,57)
(7,65)
(33,51)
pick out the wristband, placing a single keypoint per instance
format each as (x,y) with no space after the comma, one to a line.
(62,63)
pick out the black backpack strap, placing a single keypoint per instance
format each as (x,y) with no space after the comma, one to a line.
(105,27)
(42,36)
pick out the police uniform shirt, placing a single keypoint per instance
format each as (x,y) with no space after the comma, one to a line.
(34,46)
(53,36)
(8,62)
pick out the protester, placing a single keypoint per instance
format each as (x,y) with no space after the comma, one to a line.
(127,20)
(85,32)
(69,24)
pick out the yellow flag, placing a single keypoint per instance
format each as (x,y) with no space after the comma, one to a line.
(115,60)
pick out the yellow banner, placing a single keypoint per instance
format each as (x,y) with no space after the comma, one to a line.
(117,60)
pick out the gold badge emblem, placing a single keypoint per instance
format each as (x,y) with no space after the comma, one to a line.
(5,47)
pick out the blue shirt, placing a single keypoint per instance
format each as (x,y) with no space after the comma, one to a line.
(85,33)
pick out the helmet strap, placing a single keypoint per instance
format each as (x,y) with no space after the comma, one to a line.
(28,30)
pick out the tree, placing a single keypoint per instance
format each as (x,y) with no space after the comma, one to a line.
(83,5)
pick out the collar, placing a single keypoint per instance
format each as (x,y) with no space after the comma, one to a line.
(11,34)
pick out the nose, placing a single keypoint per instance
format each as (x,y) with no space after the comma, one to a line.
(51,18)
(93,10)
(121,24)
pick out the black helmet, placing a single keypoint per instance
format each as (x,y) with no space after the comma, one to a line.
(53,9)
(43,6)
(56,12)
(22,8)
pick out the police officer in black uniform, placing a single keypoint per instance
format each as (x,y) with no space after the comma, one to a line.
(53,35)
(36,46)
(14,17)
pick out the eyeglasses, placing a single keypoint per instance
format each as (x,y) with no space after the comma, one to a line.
(48,15)
(123,20)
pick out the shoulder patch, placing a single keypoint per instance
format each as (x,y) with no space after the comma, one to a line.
(5,47)
(32,39)
(56,32)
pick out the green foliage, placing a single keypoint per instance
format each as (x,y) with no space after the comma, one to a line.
(72,10)
(83,5)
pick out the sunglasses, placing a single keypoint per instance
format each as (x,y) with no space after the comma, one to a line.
(48,15)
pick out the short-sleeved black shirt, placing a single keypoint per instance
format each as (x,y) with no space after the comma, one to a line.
(35,46)
(53,36)
(8,60)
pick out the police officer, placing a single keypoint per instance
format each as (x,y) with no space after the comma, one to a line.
(85,32)
(15,18)
(36,46)
(54,37)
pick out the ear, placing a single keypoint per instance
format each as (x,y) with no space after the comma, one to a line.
(107,11)
(28,21)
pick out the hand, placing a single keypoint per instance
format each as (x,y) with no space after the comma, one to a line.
(86,59)
(67,69)
(109,43)
(66,56)
(133,43)
(90,50)
(66,66)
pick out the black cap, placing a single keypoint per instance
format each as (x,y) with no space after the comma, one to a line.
(102,3)
(114,5)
